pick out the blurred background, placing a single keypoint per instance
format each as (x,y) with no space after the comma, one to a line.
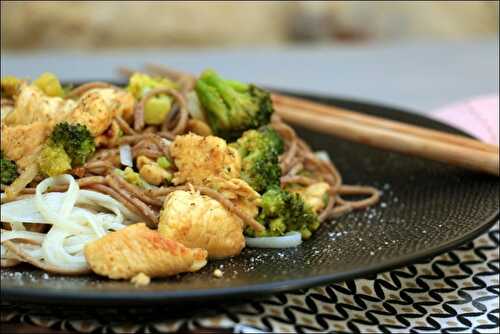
(31,25)
(416,54)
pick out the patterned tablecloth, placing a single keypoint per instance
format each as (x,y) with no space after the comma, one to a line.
(456,292)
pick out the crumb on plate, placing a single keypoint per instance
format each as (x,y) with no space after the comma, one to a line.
(141,279)
(218,273)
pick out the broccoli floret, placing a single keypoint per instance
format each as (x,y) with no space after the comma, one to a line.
(232,107)
(259,151)
(282,211)
(132,177)
(158,107)
(140,84)
(8,170)
(49,84)
(69,145)
(53,160)
(164,163)
(76,140)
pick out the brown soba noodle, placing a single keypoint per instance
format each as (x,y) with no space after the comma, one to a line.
(80,90)
(298,156)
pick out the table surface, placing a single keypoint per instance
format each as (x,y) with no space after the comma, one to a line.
(420,76)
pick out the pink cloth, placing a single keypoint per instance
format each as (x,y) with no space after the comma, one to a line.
(478,117)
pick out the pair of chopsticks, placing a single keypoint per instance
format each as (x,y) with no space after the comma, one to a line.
(390,135)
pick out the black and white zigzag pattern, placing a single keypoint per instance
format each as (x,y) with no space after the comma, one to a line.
(457,292)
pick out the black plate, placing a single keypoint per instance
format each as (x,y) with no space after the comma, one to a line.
(426,208)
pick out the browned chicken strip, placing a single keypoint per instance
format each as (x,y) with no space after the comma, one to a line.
(26,128)
(199,158)
(20,142)
(196,220)
(32,105)
(137,249)
(238,192)
(97,108)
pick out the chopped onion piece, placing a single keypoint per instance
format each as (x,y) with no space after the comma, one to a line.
(126,155)
(291,239)
(193,106)
(323,155)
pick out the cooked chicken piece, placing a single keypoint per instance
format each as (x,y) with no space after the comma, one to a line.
(238,192)
(154,174)
(137,249)
(32,105)
(19,142)
(26,128)
(110,137)
(126,105)
(314,195)
(196,220)
(142,161)
(199,158)
(97,108)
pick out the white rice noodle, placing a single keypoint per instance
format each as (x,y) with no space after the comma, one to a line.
(77,217)
(291,239)
(26,235)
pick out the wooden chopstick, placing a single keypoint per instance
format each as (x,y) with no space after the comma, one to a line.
(436,146)
(382,123)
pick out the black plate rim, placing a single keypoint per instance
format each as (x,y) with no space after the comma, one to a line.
(142,298)
(169,297)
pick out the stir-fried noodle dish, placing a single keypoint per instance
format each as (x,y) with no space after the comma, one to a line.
(157,177)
